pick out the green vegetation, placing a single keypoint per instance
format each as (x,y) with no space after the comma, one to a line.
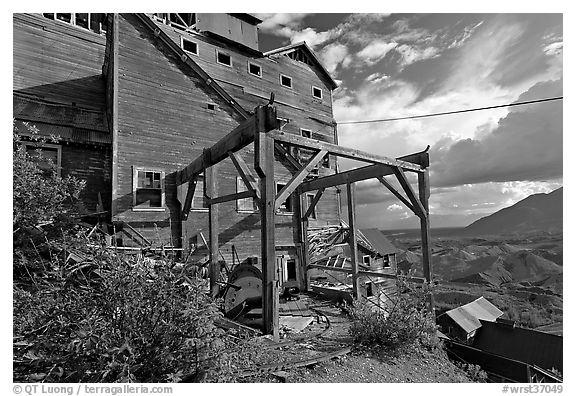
(405,322)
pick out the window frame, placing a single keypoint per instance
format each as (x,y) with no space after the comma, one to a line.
(241,187)
(200,182)
(364,259)
(321,97)
(288,77)
(182,39)
(218,52)
(40,146)
(137,208)
(257,65)
(309,200)
(72,22)
(288,211)
(302,130)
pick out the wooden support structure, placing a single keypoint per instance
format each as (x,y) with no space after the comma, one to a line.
(262,129)
(352,238)
(413,279)
(214,269)
(264,166)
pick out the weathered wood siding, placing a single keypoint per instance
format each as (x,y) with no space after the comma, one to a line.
(164,123)
(58,61)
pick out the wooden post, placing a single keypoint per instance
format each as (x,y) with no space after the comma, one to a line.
(301,237)
(214,269)
(264,166)
(351,190)
(112,96)
(424,195)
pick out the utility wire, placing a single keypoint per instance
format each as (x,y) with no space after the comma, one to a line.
(453,112)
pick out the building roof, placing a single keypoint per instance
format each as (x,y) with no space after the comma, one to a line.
(308,51)
(526,345)
(468,316)
(378,241)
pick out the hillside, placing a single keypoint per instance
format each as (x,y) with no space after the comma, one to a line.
(538,212)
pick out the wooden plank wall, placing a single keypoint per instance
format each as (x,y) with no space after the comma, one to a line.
(57,61)
(164,124)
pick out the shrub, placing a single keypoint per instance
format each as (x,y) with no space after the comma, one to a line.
(131,320)
(405,321)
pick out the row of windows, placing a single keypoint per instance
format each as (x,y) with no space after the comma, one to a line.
(95,22)
(254,69)
(148,194)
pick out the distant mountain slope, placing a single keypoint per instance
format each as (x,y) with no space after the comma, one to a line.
(538,212)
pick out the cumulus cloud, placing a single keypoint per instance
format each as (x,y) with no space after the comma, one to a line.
(411,54)
(375,51)
(377,78)
(526,145)
(554,49)
(334,55)
(394,208)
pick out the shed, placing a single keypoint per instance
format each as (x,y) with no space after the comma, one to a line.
(461,323)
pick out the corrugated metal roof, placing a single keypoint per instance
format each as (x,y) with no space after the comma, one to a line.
(65,133)
(38,111)
(378,241)
(468,316)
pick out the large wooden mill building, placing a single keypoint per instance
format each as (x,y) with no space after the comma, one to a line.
(163,115)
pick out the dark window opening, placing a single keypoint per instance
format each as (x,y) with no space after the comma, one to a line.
(224,59)
(386,261)
(64,17)
(286,206)
(82,20)
(211,106)
(189,46)
(48,15)
(291,269)
(254,70)
(306,133)
(149,189)
(317,92)
(46,158)
(369,289)
(286,81)
(326,161)
(366,259)
(95,22)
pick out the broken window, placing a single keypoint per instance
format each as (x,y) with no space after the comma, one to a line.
(46,156)
(366,259)
(317,92)
(189,46)
(199,200)
(244,204)
(286,206)
(223,58)
(148,189)
(285,81)
(95,22)
(254,69)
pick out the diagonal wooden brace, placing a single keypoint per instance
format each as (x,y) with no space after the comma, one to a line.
(391,188)
(247,177)
(291,186)
(189,195)
(420,211)
(313,204)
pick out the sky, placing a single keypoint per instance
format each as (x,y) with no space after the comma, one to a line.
(397,65)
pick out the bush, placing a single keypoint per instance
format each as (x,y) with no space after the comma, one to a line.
(130,320)
(405,321)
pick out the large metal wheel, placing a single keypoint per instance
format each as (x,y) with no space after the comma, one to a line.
(244,290)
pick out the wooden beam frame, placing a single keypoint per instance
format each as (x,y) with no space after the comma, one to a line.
(238,138)
(352,238)
(396,193)
(214,268)
(366,273)
(289,157)
(187,205)
(299,141)
(230,197)
(312,204)
(291,186)
(246,174)
(420,211)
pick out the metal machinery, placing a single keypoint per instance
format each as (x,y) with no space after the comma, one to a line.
(244,290)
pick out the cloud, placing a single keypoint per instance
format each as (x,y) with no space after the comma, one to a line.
(333,55)
(554,49)
(525,146)
(411,54)
(394,208)
(375,51)
(275,23)
(377,78)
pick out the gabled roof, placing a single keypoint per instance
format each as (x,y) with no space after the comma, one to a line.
(378,241)
(468,316)
(302,46)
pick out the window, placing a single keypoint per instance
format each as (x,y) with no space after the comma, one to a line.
(306,133)
(366,259)
(317,92)
(223,59)
(285,81)
(291,269)
(199,200)
(286,206)
(211,106)
(244,204)
(254,69)
(309,199)
(189,46)
(386,261)
(148,189)
(48,157)
(95,22)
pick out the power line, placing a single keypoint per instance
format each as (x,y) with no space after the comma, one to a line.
(453,112)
